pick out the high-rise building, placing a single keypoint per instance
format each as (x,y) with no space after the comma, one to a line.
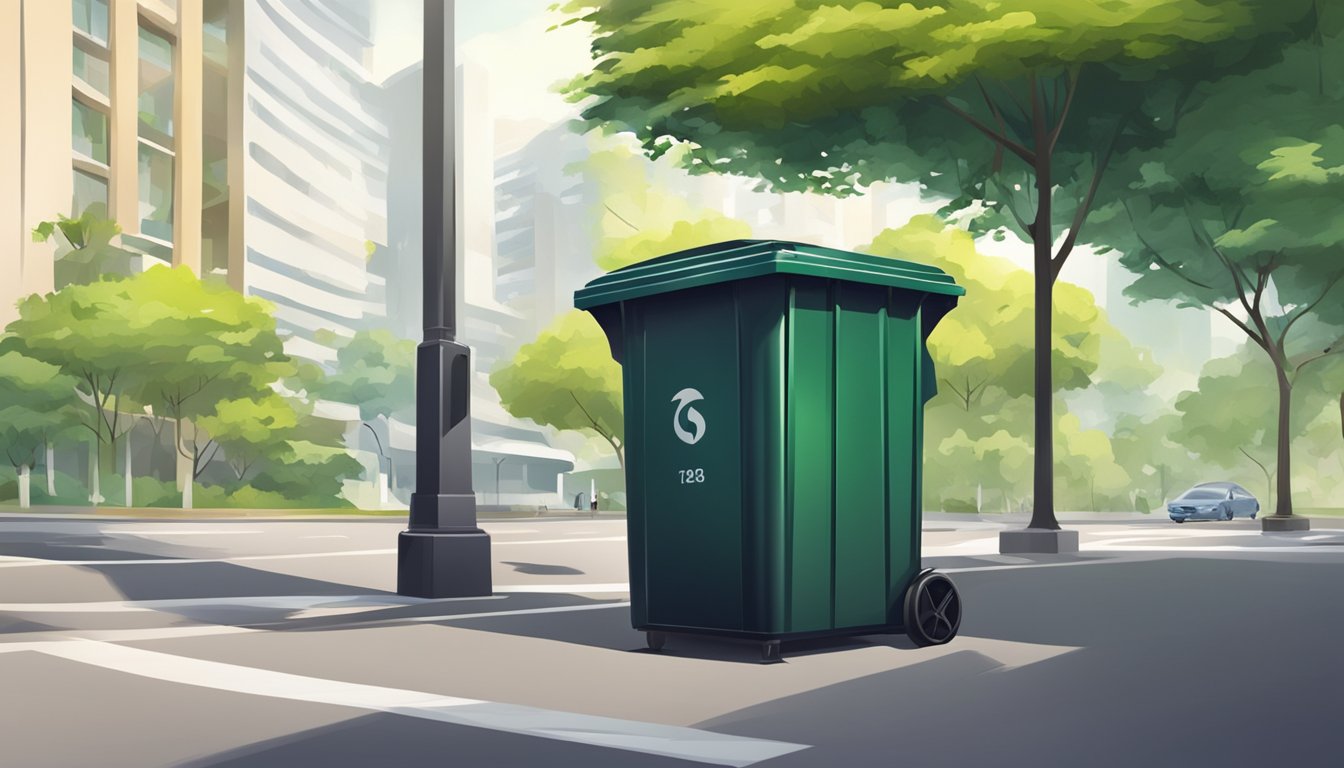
(297,157)
(109,118)
(512,460)
(237,137)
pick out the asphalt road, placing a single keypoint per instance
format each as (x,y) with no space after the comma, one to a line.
(250,642)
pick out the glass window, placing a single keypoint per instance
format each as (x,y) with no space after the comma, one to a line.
(88,132)
(89,190)
(156,193)
(90,65)
(91,18)
(156,87)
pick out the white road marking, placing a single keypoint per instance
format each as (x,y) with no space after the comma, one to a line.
(138,532)
(590,589)
(562,541)
(279,602)
(328,536)
(648,738)
(519,612)
(32,561)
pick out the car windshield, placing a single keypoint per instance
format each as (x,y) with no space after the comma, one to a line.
(1203,493)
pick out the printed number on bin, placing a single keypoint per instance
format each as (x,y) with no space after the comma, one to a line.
(692,475)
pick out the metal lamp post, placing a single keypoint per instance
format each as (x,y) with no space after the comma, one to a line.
(443,553)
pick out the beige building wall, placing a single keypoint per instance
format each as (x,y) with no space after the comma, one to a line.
(37,78)
(124,192)
(11,161)
(36,91)
(188,170)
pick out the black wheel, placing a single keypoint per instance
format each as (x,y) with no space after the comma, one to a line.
(656,640)
(1178,522)
(932,609)
(770,650)
(1230,514)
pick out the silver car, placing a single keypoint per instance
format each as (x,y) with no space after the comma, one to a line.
(1213,501)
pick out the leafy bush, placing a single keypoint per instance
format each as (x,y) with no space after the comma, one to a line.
(963,506)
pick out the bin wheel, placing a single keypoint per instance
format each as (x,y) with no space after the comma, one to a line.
(656,640)
(770,650)
(932,609)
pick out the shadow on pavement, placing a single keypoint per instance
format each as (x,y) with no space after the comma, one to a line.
(385,740)
(65,547)
(540,569)
(1181,663)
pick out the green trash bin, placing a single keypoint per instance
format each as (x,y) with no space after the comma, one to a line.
(774,398)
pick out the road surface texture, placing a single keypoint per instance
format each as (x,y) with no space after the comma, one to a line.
(264,642)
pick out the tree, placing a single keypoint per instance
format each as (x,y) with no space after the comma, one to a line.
(987,342)
(36,404)
(87,250)
(252,429)
(1239,213)
(375,371)
(567,379)
(85,332)
(638,219)
(977,101)
(162,339)
(983,354)
(210,343)
(1220,420)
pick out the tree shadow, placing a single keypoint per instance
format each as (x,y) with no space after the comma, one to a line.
(540,569)
(386,740)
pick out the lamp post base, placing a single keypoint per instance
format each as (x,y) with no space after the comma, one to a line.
(1274,524)
(1040,541)
(431,564)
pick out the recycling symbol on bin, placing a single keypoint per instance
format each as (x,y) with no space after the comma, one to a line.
(684,398)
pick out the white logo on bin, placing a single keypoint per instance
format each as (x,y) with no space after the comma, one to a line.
(684,398)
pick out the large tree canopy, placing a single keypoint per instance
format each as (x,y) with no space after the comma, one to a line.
(1002,107)
(1241,212)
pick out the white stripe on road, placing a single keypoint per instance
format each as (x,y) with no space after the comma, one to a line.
(23,562)
(576,589)
(138,532)
(648,738)
(278,602)
(563,541)
(492,614)
(33,561)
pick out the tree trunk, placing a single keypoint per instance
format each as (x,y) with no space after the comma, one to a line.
(186,491)
(95,471)
(25,484)
(51,470)
(129,473)
(1042,237)
(1283,506)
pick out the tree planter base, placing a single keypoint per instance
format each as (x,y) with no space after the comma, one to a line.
(1037,541)
(1274,523)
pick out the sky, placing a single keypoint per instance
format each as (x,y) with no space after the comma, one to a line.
(492,33)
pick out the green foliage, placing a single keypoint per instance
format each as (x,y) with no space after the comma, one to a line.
(36,405)
(987,341)
(1005,108)
(308,471)
(566,379)
(250,429)
(86,250)
(638,220)
(1237,212)
(833,97)
(375,370)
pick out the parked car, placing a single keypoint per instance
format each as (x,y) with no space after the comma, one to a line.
(1213,501)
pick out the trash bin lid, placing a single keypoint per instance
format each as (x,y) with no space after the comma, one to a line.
(741,259)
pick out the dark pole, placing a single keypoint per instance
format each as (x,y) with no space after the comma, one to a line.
(443,554)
